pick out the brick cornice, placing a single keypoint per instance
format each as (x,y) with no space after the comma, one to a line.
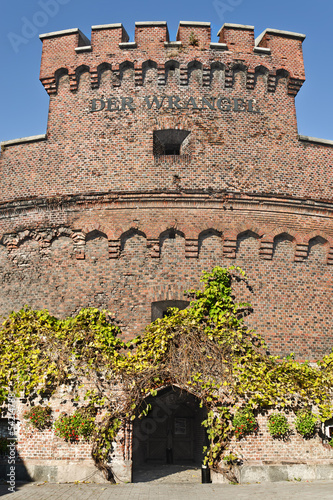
(225,200)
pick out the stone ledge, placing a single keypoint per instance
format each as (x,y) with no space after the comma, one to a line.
(236,26)
(194,24)
(175,199)
(306,138)
(87,48)
(262,50)
(59,33)
(288,34)
(23,140)
(150,23)
(107,26)
(218,46)
(64,33)
(274,473)
(128,45)
(170,45)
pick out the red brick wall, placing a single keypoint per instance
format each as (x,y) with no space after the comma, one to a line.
(45,448)
(257,448)
(261,448)
(248,190)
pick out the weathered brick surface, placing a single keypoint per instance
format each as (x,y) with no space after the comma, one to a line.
(90,216)
(262,448)
(258,448)
(123,259)
(108,151)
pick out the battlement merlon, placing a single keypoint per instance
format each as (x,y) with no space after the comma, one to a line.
(70,49)
(284,44)
(194,34)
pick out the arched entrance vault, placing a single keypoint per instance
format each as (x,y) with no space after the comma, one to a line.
(172,432)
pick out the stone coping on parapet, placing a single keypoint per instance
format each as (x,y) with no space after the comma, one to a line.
(316,140)
(236,26)
(150,23)
(194,23)
(107,26)
(65,32)
(23,140)
(289,34)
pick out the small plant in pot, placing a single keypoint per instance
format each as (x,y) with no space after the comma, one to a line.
(244,423)
(278,426)
(80,424)
(39,417)
(306,423)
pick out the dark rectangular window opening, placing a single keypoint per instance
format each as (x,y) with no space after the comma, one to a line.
(161,309)
(171,143)
(172,149)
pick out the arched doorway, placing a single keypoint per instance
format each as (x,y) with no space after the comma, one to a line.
(171,434)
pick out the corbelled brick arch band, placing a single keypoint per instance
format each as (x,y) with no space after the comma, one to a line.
(192,234)
(236,75)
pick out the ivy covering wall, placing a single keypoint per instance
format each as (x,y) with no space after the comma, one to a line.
(205,349)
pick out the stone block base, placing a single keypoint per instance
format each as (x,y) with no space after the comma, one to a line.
(54,471)
(273,473)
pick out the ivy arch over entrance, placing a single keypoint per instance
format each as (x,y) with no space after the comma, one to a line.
(171,433)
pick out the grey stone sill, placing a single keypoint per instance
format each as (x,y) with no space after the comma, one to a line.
(151,23)
(23,140)
(107,26)
(65,32)
(288,34)
(170,45)
(128,45)
(236,26)
(305,138)
(59,33)
(194,23)
(219,46)
(87,48)
(262,50)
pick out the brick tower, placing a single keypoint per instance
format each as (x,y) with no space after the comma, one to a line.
(165,158)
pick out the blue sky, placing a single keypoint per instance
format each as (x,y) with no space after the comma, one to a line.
(24,102)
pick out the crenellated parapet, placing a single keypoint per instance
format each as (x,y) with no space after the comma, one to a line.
(273,55)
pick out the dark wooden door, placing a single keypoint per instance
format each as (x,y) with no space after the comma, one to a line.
(175,434)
